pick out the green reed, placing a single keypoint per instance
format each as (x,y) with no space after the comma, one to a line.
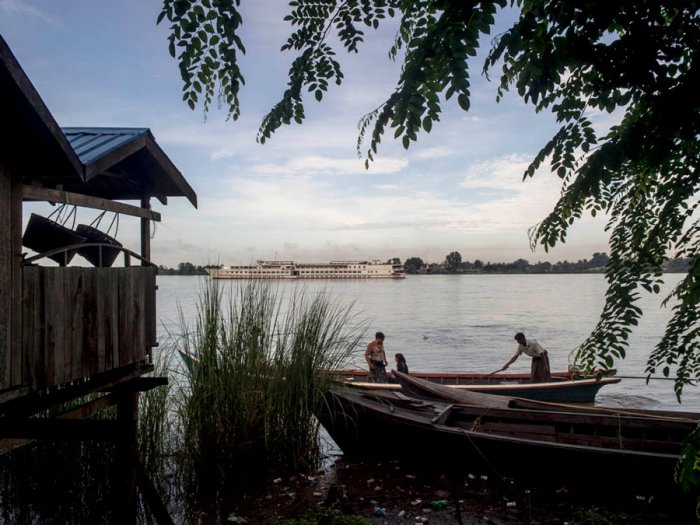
(155,421)
(245,410)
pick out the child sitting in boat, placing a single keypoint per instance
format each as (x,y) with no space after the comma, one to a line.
(401,365)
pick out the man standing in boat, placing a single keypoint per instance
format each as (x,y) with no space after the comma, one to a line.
(376,359)
(539,370)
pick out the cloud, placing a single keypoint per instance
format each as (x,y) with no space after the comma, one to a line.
(434,153)
(500,173)
(22,8)
(311,165)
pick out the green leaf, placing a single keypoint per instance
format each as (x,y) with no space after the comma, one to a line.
(463,101)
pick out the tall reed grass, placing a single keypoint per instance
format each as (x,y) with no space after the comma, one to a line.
(245,410)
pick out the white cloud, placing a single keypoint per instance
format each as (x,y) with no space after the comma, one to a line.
(23,8)
(434,153)
(311,165)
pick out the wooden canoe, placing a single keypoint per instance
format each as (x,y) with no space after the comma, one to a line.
(564,387)
(417,387)
(559,448)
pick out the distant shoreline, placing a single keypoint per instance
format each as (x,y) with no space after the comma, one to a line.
(420,274)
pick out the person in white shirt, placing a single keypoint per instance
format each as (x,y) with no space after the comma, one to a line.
(539,369)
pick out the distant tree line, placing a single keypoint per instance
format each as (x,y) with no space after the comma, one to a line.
(185,268)
(453,263)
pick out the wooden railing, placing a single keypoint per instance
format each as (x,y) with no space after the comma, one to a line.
(80,322)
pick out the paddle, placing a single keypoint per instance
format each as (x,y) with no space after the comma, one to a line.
(486,376)
(645,377)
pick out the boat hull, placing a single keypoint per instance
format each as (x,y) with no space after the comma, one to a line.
(366,427)
(563,388)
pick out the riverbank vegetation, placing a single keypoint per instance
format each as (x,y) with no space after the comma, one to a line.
(242,412)
(637,63)
(453,263)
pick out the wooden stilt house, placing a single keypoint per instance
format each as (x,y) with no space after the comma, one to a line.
(69,331)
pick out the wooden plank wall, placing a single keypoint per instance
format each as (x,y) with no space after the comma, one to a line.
(10,279)
(5,279)
(80,322)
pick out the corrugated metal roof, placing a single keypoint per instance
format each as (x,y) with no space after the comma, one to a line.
(125,163)
(92,143)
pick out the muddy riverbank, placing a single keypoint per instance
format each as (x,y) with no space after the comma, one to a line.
(394,494)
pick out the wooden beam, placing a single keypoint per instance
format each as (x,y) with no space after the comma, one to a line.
(40,428)
(106,381)
(87,201)
(151,496)
(146,231)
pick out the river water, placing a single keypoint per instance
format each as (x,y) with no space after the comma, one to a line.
(467,323)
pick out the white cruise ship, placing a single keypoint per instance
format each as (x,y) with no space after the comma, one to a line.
(392,269)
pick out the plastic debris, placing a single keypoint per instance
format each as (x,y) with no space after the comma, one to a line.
(471,476)
(416,502)
(379,512)
(438,504)
(510,504)
(370,481)
(484,477)
(232,518)
(277,480)
(421,519)
(318,494)
(401,514)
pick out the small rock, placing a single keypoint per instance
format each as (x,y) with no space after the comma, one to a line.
(401,514)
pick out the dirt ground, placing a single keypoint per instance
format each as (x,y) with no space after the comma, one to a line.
(393,494)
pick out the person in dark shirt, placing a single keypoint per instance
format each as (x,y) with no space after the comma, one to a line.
(401,365)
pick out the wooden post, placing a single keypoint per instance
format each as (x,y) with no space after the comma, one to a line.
(126,458)
(10,279)
(145,232)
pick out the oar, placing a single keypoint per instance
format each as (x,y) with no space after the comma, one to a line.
(486,376)
(645,377)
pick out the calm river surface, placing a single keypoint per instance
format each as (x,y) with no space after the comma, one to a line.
(467,322)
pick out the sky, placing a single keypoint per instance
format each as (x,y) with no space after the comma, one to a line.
(304,195)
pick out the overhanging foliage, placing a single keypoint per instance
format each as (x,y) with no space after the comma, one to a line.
(637,58)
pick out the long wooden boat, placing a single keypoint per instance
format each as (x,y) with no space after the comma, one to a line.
(420,388)
(553,447)
(564,387)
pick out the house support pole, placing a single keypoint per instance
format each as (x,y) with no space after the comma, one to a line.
(127,458)
(146,231)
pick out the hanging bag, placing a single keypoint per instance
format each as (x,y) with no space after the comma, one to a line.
(44,234)
(92,234)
